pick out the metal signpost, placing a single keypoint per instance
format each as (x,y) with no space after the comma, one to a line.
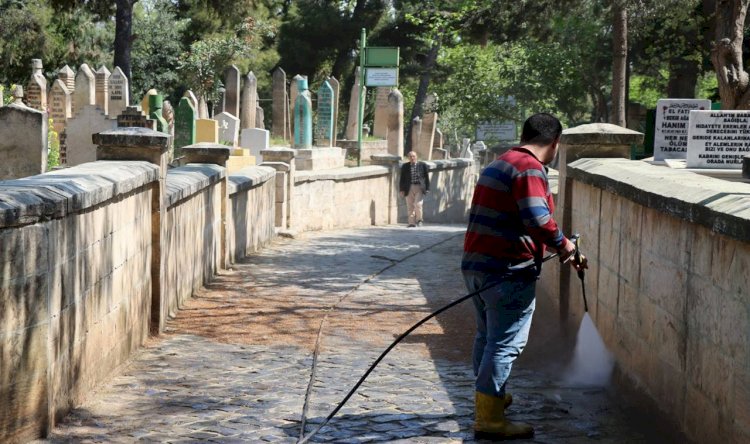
(378,67)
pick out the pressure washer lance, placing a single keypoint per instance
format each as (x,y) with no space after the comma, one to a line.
(581,260)
(578,257)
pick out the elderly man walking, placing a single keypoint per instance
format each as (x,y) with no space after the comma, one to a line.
(414,184)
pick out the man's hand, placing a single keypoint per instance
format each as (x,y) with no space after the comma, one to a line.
(566,251)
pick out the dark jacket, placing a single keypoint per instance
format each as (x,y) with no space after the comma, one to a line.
(405,180)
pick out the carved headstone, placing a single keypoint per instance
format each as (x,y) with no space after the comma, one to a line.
(380,125)
(416,133)
(206,130)
(59,105)
(229,127)
(429,123)
(232,91)
(184,124)
(353,116)
(280,110)
(167,111)
(396,123)
(132,116)
(293,91)
(249,101)
(68,77)
(155,105)
(145,101)
(671,128)
(260,118)
(324,127)
(335,87)
(302,115)
(23,139)
(85,91)
(438,142)
(119,93)
(256,140)
(36,88)
(193,100)
(88,121)
(102,88)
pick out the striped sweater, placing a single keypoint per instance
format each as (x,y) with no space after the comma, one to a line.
(510,221)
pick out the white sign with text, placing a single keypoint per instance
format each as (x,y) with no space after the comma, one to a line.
(496,131)
(671,129)
(718,139)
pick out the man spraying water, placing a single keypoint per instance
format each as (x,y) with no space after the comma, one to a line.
(510,225)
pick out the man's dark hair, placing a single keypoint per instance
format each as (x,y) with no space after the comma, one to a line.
(541,129)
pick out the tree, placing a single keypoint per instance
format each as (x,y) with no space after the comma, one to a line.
(726,54)
(123,35)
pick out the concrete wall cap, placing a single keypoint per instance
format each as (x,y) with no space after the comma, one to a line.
(207,148)
(719,205)
(249,177)
(385,158)
(58,193)
(341,173)
(185,181)
(600,134)
(132,136)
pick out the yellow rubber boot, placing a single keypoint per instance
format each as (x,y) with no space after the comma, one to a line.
(490,422)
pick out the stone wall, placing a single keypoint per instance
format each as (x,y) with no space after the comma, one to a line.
(451,189)
(75,286)
(668,285)
(95,256)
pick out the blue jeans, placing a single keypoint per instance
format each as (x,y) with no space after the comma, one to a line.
(503,315)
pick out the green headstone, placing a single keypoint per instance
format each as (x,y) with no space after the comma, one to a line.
(648,140)
(302,116)
(715,106)
(155,104)
(184,124)
(324,128)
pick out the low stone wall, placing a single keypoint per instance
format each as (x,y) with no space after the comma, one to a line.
(75,287)
(340,198)
(669,286)
(251,209)
(193,247)
(451,189)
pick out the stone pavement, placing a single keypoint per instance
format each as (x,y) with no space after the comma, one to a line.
(234,364)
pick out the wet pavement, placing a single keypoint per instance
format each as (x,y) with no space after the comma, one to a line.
(235,363)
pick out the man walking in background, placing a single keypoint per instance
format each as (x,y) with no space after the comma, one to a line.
(414,183)
(510,224)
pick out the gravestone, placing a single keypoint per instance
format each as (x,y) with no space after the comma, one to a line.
(232,91)
(133,116)
(36,88)
(167,111)
(324,127)
(280,107)
(293,91)
(85,90)
(260,118)
(438,142)
(256,140)
(429,123)
(155,105)
(68,77)
(353,116)
(229,129)
(396,123)
(249,101)
(145,101)
(88,121)
(718,139)
(184,124)
(193,100)
(416,133)
(119,93)
(671,129)
(59,105)
(335,87)
(302,115)
(102,89)
(23,139)
(466,149)
(206,130)
(380,125)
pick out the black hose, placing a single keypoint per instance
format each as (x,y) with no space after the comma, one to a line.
(393,344)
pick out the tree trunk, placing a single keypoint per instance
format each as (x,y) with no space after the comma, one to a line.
(726,54)
(123,35)
(424,83)
(683,77)
(619,61)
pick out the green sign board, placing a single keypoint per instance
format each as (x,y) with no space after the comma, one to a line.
(381,56)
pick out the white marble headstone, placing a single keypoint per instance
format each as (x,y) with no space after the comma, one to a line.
(671,129)
(718,139)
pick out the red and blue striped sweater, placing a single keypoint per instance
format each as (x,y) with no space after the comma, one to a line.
(510,221)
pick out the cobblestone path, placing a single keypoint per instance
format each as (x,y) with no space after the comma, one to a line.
(234,364)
